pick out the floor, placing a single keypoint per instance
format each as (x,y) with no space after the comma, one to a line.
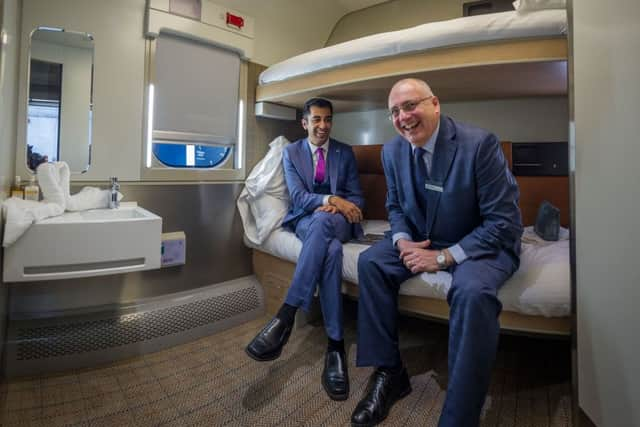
(211,382)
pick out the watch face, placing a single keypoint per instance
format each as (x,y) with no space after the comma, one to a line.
(440,259)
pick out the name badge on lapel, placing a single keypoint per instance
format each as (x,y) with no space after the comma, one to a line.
(433,186)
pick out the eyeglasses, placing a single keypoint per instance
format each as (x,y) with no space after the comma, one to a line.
(406,107)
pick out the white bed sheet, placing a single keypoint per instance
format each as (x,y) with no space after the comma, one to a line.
(471,29)
(540,287)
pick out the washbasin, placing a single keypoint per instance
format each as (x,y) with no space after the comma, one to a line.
(113,214)
(123,213)
(87,243)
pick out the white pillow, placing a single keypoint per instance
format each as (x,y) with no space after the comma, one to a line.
(264,201)
(268,212)
(267,177)
(527,5)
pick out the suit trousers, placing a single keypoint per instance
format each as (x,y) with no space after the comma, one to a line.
(473,324)
(320,263)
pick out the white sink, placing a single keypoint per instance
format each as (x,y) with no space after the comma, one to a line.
(113,214)
(88,243)
(126,212)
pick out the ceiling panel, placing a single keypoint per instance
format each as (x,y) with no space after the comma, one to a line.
(351,5)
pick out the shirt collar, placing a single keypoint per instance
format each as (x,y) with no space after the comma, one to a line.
(314,148)
(430,146)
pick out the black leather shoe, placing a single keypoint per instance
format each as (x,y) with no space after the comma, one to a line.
(383,390)
(335,378)
(267,345)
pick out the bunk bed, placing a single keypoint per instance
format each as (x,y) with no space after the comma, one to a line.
(497,56)
(500,55)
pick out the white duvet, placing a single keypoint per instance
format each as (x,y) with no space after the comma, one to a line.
(540,287)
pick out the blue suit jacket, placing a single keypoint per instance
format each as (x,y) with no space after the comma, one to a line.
(477,206)
(298,173)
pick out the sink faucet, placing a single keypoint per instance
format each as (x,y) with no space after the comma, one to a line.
(114,203)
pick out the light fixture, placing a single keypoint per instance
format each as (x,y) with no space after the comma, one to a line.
(150,125)
(240,144)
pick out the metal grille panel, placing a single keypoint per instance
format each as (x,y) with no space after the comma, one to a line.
(94,335)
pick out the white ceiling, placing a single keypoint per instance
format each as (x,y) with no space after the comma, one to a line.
(351,5)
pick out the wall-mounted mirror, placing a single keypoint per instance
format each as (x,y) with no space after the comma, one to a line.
(60,98)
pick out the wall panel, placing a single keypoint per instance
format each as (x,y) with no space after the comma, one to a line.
(393,15)
(119,49)
(9,28)
(516,120)
(606,101)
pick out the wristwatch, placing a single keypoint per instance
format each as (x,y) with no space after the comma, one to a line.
(441,259)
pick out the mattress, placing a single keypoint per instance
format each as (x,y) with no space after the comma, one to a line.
(454,32)
(540,287)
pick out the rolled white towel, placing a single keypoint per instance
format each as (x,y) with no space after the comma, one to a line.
(89,198)
(51,180)
(20,214)
(54,179)
(65,178)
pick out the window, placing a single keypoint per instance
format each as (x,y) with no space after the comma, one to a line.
(190,155)
(43,119)
(43,113)
(195,110)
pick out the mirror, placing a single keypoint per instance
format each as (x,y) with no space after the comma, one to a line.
(60,98)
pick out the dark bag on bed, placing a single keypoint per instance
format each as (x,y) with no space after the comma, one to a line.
(548,221)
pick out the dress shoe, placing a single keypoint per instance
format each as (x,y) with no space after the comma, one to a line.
(383,390)
(335,378)
(267,345)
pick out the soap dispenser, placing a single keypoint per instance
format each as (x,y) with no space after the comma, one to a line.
(32,191)
(17,190)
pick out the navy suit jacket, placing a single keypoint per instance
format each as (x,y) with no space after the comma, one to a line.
(298,173)
(472,199)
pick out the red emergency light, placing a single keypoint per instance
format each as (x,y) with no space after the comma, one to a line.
(235,21)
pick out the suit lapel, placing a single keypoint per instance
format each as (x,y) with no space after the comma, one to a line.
(443,155)
(304,161)
(334,156)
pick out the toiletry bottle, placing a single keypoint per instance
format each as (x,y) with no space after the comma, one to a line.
(32,191)
(16,190)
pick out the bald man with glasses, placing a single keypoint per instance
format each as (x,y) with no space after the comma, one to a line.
(453,205)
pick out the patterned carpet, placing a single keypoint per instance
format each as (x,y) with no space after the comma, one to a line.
(211,382)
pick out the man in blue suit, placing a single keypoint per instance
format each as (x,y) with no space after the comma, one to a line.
(326,209)
(453,205)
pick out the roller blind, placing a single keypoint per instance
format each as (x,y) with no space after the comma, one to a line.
(196,91)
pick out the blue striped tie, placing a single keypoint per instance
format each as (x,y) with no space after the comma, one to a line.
(420,177)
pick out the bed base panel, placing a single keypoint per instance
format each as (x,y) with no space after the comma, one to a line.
(275,275)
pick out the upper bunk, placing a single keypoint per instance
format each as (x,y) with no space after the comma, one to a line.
(494,56)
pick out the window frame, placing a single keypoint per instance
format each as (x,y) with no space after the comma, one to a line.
(154,170)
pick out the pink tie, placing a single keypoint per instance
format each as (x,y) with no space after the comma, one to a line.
(320,166)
